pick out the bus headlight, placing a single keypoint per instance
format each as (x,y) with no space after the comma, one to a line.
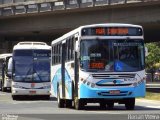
(130,79)
(17,86)
(88,82)
(93,85)
(47,87)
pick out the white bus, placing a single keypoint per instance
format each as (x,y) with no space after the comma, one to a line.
(5,71)
(31,69)
(100,63)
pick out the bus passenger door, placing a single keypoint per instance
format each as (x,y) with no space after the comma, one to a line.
(76,68)
(63,54)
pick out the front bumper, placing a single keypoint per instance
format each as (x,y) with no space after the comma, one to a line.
(87,92)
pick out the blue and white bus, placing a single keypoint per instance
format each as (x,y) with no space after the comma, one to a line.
(31,69)
(100,63)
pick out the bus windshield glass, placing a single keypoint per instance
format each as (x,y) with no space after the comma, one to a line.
(31,65)
(112,55)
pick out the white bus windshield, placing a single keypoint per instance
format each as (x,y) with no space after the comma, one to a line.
(112,55)
(31,65)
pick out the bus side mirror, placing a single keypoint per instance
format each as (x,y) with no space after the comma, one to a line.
(146,51)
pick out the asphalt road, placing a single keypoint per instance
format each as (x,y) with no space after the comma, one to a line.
(37,109)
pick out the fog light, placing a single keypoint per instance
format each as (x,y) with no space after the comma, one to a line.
(84,81)
(88,83)
(93,85)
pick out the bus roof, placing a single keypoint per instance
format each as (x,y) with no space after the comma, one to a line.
(93,25)
(31,45)
(3,56)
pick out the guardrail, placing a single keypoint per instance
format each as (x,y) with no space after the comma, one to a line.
(14,7)
(153,87)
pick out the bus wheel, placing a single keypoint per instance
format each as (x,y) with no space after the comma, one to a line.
(46,97)
(14,97)
(59,100)
(102,105)
(130,103)
(68,103)
(1,85)
(78,104)
(110,105)
(4,89)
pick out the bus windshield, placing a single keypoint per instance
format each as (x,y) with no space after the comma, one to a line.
(112,55)
(31,65)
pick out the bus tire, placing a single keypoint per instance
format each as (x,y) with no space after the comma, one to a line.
(68,103)
(46,97)
(78,104)
(59,100)
(130,104)
(1,85)
(4,89)
(14,97)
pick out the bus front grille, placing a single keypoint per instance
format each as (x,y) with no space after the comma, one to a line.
(113,76)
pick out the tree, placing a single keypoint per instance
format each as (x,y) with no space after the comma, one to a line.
(153,59)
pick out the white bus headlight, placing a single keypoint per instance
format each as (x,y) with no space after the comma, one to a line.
(130,79)
(17,86)
(47,87)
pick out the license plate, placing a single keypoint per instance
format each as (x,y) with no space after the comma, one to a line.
(32,92)
(113,92)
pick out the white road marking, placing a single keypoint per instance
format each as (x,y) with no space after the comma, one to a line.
(148,101)
(158,107)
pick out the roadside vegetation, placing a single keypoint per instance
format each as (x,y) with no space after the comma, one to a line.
(153,59)
(152,96)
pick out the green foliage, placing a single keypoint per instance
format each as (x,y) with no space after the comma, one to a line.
(153,59)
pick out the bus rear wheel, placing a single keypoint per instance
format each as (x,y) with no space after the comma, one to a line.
(130,103)
(2,87)
(14,97)
(59,100)
(68,103)
(78,104)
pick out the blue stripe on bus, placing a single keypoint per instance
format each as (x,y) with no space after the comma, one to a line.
(68,82)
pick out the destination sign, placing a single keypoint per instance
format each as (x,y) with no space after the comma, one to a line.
(112,31)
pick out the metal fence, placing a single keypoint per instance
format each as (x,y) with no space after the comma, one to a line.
(15,7)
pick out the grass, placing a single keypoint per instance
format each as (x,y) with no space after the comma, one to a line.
(152,96)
